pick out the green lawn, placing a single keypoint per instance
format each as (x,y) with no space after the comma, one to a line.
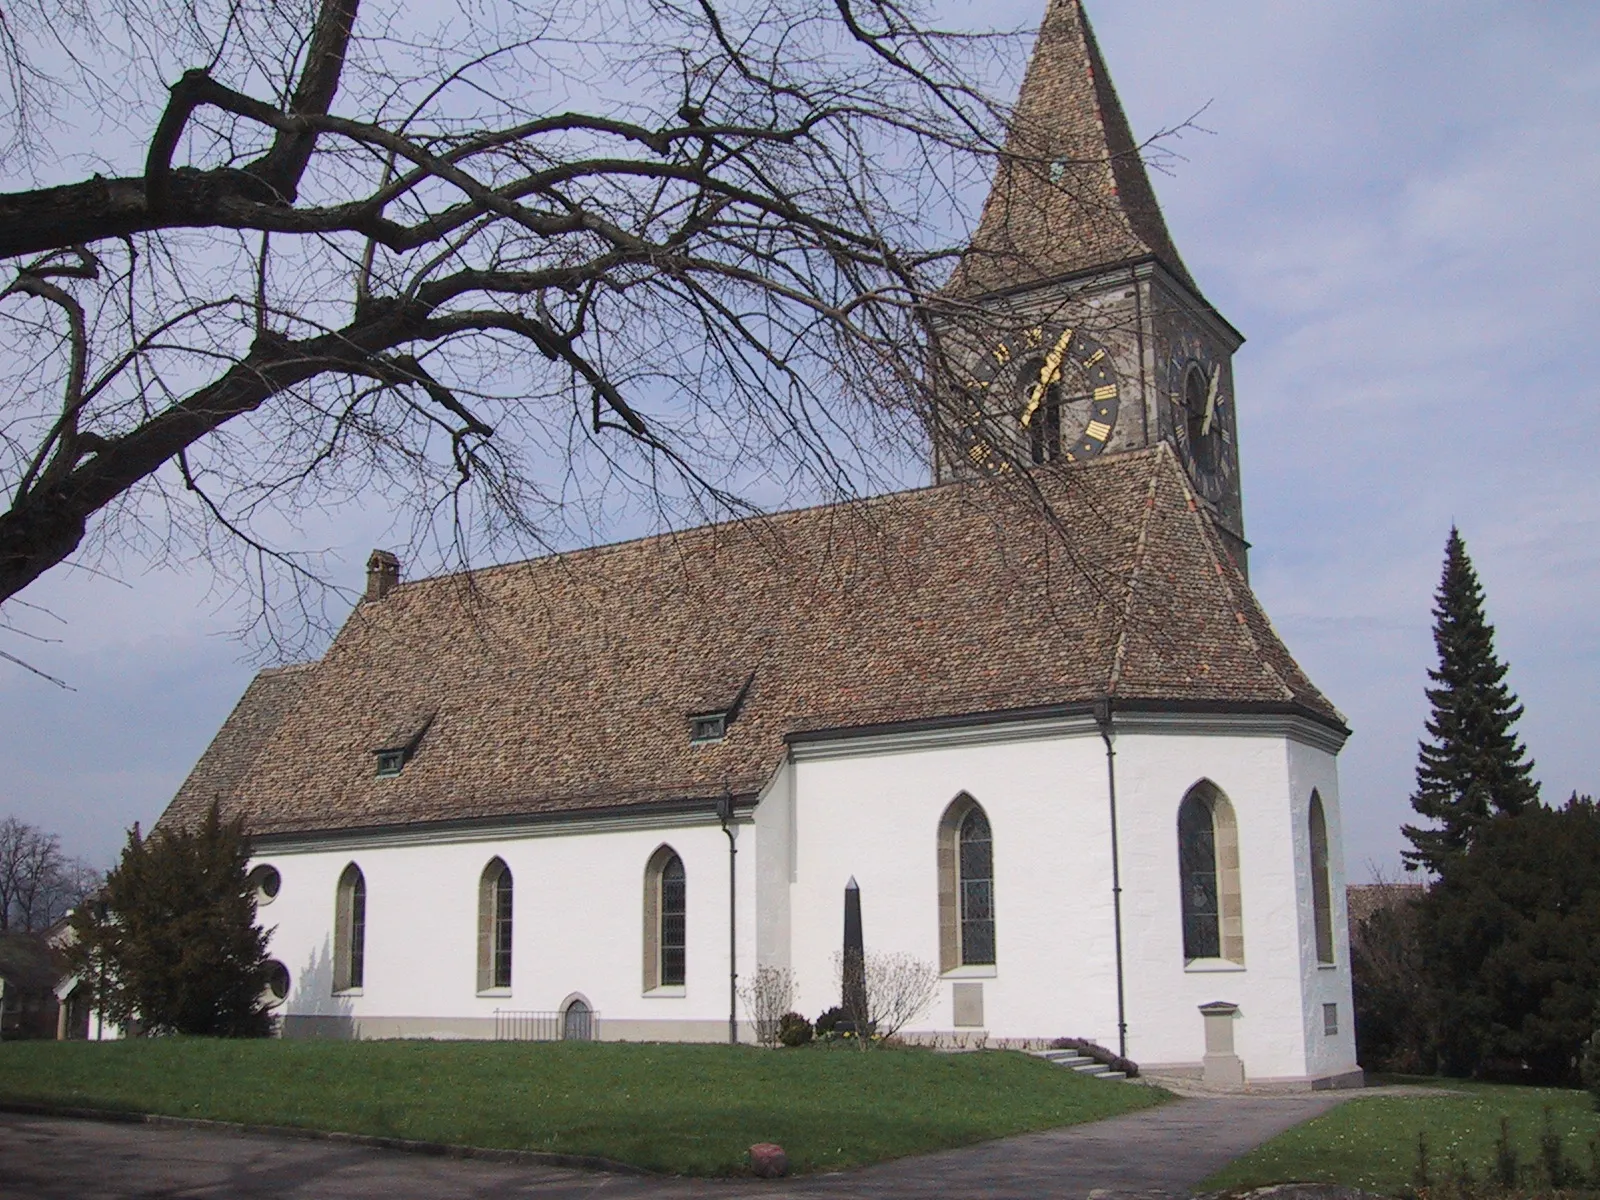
(1371,1142)
(686,1109)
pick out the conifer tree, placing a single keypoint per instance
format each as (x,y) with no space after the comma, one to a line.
(1472,764)
(172,942)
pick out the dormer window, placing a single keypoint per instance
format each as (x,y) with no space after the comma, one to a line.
(400,745)
(708,727)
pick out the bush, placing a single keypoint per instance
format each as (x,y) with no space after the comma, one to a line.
(767,995)
(793,1029)
(1512,940)
(828,1023)
(1396,1011)
(172,944)
(1591,1063)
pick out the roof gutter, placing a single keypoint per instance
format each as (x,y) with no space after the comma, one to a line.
(1075,708)
(700,810)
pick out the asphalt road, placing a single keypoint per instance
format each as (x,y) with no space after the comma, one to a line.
(1157,1152)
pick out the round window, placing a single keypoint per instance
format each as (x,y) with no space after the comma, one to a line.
(276,990)
(264,883)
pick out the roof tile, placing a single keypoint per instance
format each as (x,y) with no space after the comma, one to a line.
(567,683)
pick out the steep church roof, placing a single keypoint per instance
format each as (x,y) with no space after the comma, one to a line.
(567,683)
(1070,191)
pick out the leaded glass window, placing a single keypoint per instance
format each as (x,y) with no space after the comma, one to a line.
(976,877)
(674,922)
(358,931)
(502,929)
(1321,891)
(350,930)
(1197,870)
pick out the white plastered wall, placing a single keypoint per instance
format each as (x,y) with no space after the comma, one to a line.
(1314,771)
(870,809)
(874,816)
(578,930)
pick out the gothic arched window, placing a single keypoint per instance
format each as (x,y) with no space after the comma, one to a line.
(350,930)
(1208,876)
(494,926)
(966,886)
(665,920)
(1321,889)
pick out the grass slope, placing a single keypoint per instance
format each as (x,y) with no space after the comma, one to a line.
(691,1110)
(1371,1143)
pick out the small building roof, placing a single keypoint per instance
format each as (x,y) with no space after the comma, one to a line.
(567,683)
(1070,192)
(27,962)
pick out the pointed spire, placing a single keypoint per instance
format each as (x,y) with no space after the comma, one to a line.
(1070,191)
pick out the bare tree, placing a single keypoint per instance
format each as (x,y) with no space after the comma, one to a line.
(767,995)
(1397,1012)
(899,989)
(15,837)
(38,884)
(498,274)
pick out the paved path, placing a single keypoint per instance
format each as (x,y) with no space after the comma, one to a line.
(1157,1152)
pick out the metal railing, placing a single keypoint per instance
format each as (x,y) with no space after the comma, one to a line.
(575,1023)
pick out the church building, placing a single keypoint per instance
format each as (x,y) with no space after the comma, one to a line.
(1055,741)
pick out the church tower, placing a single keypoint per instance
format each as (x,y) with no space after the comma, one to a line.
(1073,328)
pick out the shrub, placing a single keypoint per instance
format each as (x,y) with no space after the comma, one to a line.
(172,943)
(1591,1061)
(793,1029)
(894,990)
(829,1021)
(767,995)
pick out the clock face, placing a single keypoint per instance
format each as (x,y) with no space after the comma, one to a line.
(1057,383)
(1202,417)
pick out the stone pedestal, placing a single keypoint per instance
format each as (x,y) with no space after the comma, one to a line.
(1221,1066)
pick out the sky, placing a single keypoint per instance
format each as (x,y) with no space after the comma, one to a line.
(1394,203)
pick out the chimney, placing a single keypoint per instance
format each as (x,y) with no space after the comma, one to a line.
(383,574)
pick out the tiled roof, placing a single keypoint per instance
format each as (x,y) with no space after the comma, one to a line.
(27,962)
(566,683)
(1070,192)
(1364,900)
(226,764)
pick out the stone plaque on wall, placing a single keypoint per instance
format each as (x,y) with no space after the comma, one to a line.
(968,1003)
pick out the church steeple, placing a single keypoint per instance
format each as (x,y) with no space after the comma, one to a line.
(1072,328)
(1070,192)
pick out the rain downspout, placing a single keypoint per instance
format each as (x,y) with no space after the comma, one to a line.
(725,817)
(1102,718)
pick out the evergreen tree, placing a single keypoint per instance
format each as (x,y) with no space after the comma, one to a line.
(172,942)
(1511,944)
(1472,765)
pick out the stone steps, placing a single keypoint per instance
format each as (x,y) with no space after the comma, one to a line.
(1081,1063)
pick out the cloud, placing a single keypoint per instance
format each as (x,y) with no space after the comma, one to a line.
(1394,203)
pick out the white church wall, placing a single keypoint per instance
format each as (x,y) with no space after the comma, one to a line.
(772,829)
(578,931)
(1313,770)
(875,816)
(1155,770)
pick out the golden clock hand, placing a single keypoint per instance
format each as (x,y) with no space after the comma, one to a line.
(1211,400)
(1048,374)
